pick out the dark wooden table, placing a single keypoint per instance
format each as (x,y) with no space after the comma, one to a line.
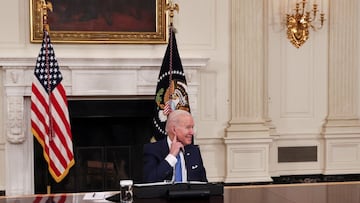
(341,192)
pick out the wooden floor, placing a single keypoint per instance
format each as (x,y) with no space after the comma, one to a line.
(339,192)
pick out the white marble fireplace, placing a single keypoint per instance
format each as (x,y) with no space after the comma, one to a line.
(83,77)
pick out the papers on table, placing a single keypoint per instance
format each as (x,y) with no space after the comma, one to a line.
(152,184)
(167,183)
(96,195)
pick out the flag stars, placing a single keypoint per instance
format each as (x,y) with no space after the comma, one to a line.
(178,72)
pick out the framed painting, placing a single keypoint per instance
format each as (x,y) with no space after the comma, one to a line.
(102,21)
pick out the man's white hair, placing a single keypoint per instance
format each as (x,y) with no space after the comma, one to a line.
(173,118)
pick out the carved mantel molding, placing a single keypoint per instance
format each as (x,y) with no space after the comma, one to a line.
(87,77)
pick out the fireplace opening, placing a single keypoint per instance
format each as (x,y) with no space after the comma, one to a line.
(108,139)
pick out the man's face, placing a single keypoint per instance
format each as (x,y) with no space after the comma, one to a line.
(184,131)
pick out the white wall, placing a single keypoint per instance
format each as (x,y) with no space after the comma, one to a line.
(2,143)
(297,96)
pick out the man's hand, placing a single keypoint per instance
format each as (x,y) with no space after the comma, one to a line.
(176,147)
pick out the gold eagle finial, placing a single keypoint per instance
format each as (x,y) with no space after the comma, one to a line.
(43,7)
(172,7)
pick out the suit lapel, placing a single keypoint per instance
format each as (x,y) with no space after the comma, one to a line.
(188,158)
(164,147)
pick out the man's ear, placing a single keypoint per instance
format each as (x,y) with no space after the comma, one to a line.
(173,130)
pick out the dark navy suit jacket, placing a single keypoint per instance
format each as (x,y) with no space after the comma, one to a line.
(157,169)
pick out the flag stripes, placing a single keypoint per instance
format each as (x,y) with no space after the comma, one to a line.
(51,199)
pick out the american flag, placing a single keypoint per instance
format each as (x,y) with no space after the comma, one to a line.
(168,108)
(51,199)
(49,113)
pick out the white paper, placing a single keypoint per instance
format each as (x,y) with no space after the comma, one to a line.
(96,195)
(168,183)
(153,184)
(197,182)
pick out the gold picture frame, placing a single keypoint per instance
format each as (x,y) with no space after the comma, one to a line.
(102,21)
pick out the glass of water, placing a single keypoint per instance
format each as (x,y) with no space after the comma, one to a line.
(126,191)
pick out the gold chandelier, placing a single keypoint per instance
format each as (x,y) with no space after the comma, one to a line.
(299,22)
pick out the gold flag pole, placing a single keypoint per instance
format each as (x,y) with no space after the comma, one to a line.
(171,8)
(43,7)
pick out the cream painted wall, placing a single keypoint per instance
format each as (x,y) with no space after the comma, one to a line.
(203,32)
(2,140)
(300,90)
(297,91)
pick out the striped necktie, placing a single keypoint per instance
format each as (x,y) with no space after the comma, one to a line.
(178,171)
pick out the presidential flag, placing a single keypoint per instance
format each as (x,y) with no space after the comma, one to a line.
(49,113)
(171,91)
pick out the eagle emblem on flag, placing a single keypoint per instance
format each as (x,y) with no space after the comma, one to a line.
(175,97)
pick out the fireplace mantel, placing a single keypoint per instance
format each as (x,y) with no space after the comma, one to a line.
(95,77)
(106,62)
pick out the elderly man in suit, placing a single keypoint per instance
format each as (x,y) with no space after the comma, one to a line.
(174,158)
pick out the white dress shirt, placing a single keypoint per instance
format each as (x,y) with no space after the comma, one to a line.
(171,159)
